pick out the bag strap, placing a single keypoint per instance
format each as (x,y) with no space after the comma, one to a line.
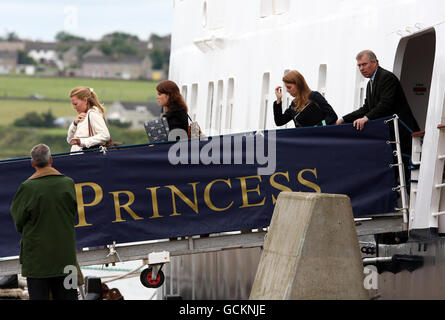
(90,130)
(191,120)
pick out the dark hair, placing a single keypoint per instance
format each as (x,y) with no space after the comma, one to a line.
(174,96)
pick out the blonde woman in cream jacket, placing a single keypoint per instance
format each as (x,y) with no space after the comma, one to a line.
(81,135)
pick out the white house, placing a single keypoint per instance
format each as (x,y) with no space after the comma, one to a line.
(135,112)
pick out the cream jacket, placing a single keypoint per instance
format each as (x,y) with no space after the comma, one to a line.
(100,131)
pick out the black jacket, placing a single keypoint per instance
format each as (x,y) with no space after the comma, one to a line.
(177,118)
(385,99)
(283,118)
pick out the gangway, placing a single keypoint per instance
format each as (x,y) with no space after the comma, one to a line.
(253,202)
(197,244)
(131,252)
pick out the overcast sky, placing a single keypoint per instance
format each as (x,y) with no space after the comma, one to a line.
(91,19)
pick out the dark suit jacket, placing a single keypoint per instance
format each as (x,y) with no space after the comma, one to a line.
(385,99)
(177,118)
(315,96)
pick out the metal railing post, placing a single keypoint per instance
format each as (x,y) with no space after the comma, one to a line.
(402,186)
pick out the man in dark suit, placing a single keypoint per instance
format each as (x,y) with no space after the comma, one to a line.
(384,97)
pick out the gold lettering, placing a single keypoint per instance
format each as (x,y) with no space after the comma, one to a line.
(278,186)
(118,206)
(98,195)
(207,199)
(244,191)
(307,183)
(154,201)
(176,191)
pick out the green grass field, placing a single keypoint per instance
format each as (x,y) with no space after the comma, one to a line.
(13,109)
(17,142)
(59,88)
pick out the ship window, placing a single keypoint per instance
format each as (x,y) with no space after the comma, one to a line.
(184,93)
(264,101)
(194,101)
(271,7)
(281,6)
(209,113)
(322,75)
(266,8)
(219,106)
(286,100)
(230,96)
(213,14)
(360,89)
(204,14)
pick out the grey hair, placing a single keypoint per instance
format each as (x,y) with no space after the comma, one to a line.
(40,155)
(371,55)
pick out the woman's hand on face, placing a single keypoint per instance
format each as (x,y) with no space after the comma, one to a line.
(278,93)
(80,117)
(75,141)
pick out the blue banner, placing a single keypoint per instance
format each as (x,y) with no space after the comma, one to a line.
(218,184)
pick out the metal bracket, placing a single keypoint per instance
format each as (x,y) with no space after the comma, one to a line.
(113,252)
(156,261)
(103,150)
(394,116)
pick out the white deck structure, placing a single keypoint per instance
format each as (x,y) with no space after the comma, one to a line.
(228,56)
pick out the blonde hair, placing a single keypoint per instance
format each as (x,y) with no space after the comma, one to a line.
(303,90)
(83,92)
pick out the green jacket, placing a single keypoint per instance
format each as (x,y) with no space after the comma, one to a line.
(44,212)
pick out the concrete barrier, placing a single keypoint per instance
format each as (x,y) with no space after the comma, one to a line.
(311,250)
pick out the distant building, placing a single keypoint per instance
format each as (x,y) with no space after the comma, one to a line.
(94,52)
(8,61)
(70,57)
(27,69)
(44,52)
(129,67)
(135,112)
(12,46)
(63,122)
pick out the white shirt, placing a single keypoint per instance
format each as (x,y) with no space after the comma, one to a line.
(100,131)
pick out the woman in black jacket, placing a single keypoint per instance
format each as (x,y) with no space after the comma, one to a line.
(170,98)
(297,87)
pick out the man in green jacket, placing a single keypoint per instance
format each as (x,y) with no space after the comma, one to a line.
(44,212)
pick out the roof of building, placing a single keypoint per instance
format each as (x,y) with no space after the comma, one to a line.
(8,54)
(94,52)
(11,46)
(114,60)
(31,45)
(153,107)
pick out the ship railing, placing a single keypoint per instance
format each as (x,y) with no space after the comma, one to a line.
(440,159)
(416,155)
(402,187)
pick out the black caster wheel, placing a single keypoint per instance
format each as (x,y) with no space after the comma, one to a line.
(148,282)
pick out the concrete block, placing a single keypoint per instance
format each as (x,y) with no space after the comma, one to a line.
(311,250)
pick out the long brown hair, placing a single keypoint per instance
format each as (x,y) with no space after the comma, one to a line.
(303,89)
(175,98)
(83,92)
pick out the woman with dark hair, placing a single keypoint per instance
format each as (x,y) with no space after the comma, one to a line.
(169,97)
(297,87)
